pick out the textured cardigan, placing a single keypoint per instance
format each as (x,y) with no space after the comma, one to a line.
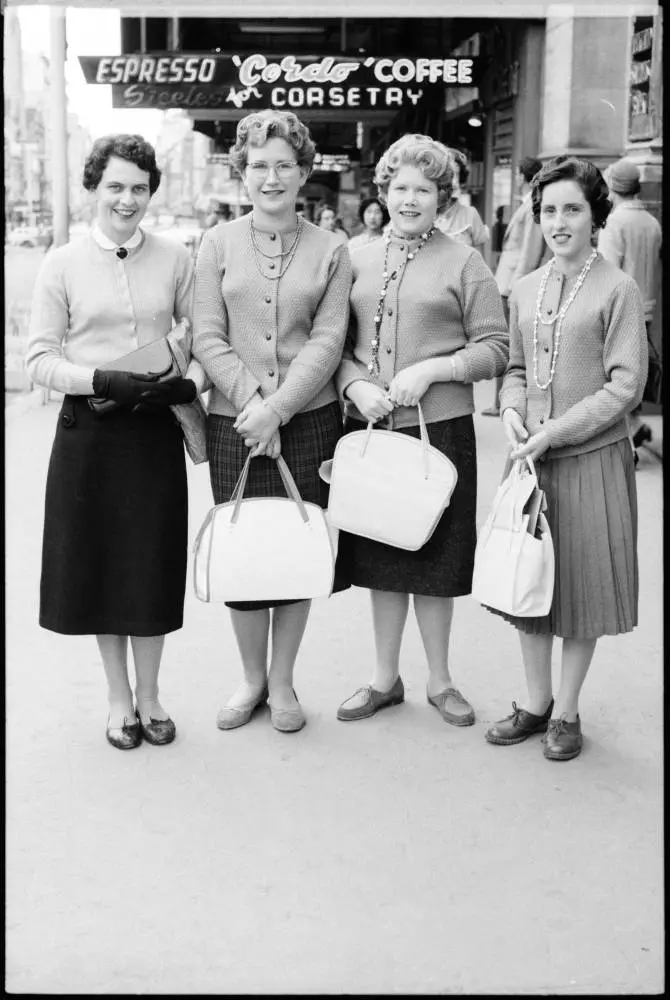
(89,308)
(443,302)
(252,332)
(601,366)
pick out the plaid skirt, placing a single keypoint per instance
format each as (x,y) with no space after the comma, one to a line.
(307,440)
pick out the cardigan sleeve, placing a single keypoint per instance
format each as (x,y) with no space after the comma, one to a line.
(513,391)
(317,360)
(211,344)
(46,363)
(350,368)
(183,310)
(625,361)
(485,355)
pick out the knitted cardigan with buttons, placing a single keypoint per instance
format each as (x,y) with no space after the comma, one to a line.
(253,332)
(601,367)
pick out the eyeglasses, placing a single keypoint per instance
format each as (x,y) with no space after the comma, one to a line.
(283,169)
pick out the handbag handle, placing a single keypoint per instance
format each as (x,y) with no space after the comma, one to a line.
(425,441)
(289,485)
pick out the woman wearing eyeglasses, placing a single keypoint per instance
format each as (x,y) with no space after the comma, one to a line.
(270,318)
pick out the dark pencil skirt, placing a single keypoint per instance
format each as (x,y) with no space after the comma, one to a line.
(307,440)
(443,566)
(115,526)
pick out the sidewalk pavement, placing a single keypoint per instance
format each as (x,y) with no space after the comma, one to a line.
(394,855)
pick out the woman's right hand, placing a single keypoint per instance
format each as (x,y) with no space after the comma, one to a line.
(271,448)
(514,427)
(124,388)
(370,401)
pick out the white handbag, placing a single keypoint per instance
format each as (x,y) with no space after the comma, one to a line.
(514,557)
(389,487)
(264,548)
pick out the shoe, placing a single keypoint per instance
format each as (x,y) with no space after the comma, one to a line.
(233,718)
(125,737)
(456,719)
(287,720)
(157,731)
(491,411)
(642,434)
(563,740)
(636,458)
(375,700)
(518,726)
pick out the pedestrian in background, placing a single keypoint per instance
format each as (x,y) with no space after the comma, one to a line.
(522,250)
(435,328)
(115,531)
(270,317)
(461,221)
(325,217)
(577,366)
(220,213)
(374,217)
(632,241)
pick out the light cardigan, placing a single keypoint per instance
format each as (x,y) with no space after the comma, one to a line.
(601,366)
(282,337)
(89,307)
(444,302)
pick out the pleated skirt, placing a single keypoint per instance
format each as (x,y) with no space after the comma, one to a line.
(592,515)
(115,528)
(307,440)
(443,566)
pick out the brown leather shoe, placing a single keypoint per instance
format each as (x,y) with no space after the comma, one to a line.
(518,726)
(449,699)
(563,740)
(374,702)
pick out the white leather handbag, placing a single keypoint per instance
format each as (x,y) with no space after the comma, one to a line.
(388,486)
(514,557)
(264,548)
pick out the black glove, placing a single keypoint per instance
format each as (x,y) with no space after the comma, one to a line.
(122,387)
(171,392)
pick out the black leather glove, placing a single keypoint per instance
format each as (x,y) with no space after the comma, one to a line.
(171,392)
(122,387)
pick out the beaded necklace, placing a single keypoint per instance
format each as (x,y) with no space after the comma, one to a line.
(581,277)
(373,364)
(284,256)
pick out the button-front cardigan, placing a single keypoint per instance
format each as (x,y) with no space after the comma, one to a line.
(601,366)
(443,302)
(283,337)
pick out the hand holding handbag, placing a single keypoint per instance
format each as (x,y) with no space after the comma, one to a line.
(514,557)
(155,358)
(389,487)
(264,548)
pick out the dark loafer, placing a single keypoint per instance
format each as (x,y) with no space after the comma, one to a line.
(563,740)
(125,737)
(157,731)
(374,701)
(449,699)
(518,726)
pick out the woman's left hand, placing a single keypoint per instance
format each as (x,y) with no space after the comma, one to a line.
(409,385)
(257,423)
(533,447)
(271,448)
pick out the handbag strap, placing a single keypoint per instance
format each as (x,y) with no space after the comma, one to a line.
(425,441)
(289,485)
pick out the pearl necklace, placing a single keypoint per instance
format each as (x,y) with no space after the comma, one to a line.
(373,364)
(581,277)
(288,254)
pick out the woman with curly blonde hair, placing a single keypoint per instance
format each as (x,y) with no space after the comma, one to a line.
(270,317)
(426,323)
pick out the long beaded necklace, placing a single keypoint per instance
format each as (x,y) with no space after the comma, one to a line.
(284,256)
(373,364)
(581,277)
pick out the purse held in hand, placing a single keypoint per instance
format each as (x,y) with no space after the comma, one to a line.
(264,548)
(155,358)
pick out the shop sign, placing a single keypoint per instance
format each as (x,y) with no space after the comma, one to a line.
(218,82)
(641,111)
(336,163)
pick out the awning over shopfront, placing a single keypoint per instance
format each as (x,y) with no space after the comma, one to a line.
(360,8)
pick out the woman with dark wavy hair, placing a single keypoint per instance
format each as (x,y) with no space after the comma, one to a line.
(372,213)
(578,360)
(115,532)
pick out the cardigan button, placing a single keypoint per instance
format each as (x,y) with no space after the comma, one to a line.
(390,311)
(273,236)
(271,265)
(387,386)
(541,420)
(268,298)
(268,336)
(271,374)
(546,348)
(389,350)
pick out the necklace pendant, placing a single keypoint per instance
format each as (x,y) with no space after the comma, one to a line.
(371,368)
(410,256)
(375,343)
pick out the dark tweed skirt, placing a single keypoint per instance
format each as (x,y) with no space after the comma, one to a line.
(307,440)
(592,515)
(443,566)
(115,526)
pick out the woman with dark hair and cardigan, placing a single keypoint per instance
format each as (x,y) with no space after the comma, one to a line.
(577,367)
(372,213)
(115,531)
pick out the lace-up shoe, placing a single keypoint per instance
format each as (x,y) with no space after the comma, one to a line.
(518,726)
(563,740)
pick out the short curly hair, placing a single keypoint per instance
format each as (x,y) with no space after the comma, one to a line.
(133,148)
(255,130)
(364,206)
(584,173)
(432,158)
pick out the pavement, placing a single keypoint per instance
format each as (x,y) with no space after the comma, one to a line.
(397,855)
